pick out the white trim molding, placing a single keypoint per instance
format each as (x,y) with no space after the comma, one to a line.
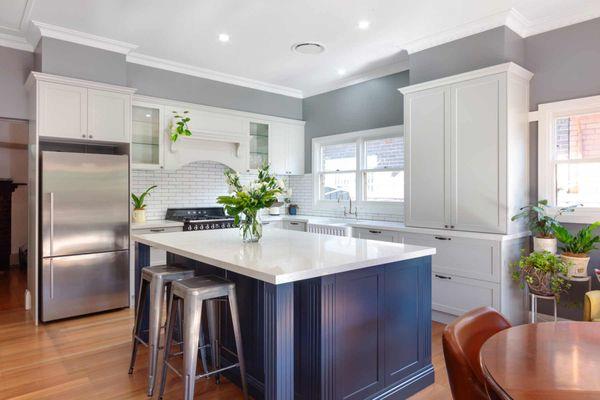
(187,69)
(547,113)
(15,42)
(86,39)
(39,76)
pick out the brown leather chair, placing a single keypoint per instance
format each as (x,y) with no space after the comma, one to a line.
(462,340)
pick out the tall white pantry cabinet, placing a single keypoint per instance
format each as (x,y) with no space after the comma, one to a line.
(466,170)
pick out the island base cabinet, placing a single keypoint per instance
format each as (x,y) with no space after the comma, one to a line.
(353,335)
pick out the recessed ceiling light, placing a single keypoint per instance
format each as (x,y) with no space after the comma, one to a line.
(308,48)
(341,71)
(364,24)
(148,115)
(223,37)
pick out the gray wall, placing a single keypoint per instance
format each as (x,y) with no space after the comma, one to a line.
(77,61)
(565,63)
(15,66)
(372,104)
(171,85)
(484,49)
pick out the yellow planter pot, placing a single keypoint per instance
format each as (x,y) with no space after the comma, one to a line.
(139,216)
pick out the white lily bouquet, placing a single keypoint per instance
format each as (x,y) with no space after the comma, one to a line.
(245,202)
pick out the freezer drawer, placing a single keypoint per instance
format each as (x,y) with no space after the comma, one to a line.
(83,284)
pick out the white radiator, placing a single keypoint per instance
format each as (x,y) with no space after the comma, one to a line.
(329,229)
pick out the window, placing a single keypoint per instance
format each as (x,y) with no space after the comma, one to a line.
(569,156)
(362,166)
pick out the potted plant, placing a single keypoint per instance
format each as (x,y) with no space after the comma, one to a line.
(179,127)
(542,224)
(244,202)
(576,247)
(139,207)
(542,272)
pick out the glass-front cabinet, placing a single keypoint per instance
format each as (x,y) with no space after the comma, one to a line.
(259,145)
(147,137)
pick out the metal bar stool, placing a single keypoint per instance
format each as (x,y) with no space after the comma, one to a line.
(192,293)
(157,280)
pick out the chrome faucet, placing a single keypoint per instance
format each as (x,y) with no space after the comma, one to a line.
(349,211)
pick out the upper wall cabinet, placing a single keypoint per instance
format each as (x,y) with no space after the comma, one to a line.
(147,137)
(286,148)
(77,110)
(467,151)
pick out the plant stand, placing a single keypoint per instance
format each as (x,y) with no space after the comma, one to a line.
(534,299)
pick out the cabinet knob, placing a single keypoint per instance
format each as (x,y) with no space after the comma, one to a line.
(451,226)
(83,135)
(445,226)
(91,136)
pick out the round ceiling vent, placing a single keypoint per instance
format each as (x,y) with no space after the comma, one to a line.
(308,48)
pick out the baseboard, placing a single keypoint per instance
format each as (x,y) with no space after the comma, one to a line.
(442,317)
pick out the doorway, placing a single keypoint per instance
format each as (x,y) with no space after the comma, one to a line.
(14,135)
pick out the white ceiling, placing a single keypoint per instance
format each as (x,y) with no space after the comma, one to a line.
(182,34)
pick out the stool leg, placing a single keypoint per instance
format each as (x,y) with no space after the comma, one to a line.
(555,310)
(191,336)
(139,311)
(203,350)
(238,339)
(157,293)
(173,306)
(533,308)
(213,334)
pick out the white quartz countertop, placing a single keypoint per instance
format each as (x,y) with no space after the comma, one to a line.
(282,256)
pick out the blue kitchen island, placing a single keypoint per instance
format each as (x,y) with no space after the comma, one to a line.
(322,317)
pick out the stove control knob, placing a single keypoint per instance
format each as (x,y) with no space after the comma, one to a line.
(200,227)
(223,225)
(195,227)
(212,226)
(189,228)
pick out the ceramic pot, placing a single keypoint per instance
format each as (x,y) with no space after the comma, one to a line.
(577,265)
(139,216)
(545,244)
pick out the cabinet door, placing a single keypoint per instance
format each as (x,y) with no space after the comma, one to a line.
(259,144)
(427,158)
(295,150)
(478,197)
(456,295)
(109,116)
(62,111)
(278,148)
(147,136)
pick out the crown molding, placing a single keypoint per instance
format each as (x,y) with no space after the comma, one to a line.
(359,78)
(525,27)
(86,39)
(15,42)
(187,69)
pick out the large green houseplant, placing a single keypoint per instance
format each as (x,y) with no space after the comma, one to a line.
(576,247)
(542,272)
(245,201)
(542,223)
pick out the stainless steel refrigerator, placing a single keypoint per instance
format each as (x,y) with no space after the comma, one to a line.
(85,233)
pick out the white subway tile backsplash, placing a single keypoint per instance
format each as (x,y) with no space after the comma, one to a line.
(199,184)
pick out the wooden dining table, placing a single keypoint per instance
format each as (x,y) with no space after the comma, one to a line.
(549,361)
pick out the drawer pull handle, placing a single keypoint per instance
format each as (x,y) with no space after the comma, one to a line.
(157,230)
(266,222)
(375,232)
(294,223)
(442,238)
(443,277)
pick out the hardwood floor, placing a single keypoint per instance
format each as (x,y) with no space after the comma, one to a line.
(88,358)
(13,282)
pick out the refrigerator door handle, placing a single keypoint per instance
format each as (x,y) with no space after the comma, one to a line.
(51,279)
(51,217)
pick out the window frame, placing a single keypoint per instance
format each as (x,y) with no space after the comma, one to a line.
(359,138)
(547,162)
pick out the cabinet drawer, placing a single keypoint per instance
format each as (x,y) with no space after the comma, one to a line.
(376,234)
(157,230)
(456,295)
(295,225)
(470,258)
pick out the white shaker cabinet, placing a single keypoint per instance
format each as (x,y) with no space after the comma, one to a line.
(109,116)
(77,110)
(62,111)
(286,148)
(463,135)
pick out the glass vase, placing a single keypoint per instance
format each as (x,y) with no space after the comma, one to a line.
(251,228)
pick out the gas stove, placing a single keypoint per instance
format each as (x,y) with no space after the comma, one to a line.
(201,218)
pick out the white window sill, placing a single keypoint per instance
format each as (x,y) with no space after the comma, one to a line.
(388,207)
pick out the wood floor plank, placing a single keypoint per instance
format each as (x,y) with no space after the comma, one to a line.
(88,358)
